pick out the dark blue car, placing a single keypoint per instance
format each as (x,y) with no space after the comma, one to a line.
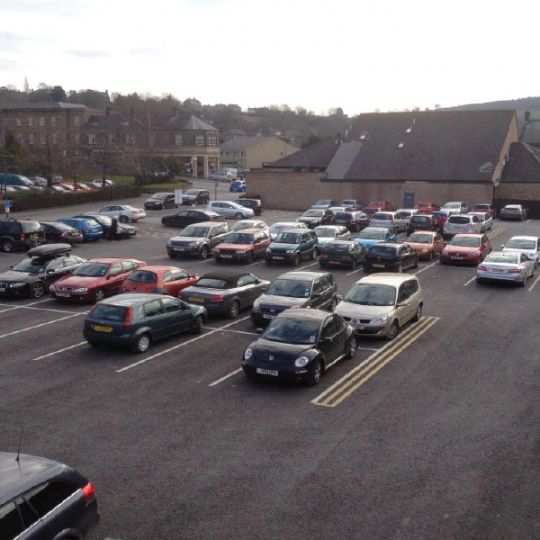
(89,229)
(238,186)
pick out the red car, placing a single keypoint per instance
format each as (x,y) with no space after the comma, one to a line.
(484,207)
(159,279)
(427,207)
(383,206)
(244,245)
(95,279)
(466,249)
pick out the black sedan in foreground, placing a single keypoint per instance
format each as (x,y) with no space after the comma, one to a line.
(300,344)
(390,257)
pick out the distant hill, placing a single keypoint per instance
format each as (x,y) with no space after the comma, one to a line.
(521,104)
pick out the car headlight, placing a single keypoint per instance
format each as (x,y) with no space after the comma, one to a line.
(301,361)
(381,319)
(248,353)
(169,242)
(425,250)
(290,251)
(240,251)
(80,290)
(17,284)
(193,244)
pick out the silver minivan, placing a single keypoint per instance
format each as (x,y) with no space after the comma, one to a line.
(379,305)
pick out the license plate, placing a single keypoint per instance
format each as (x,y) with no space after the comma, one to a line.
(497,270)
(100,328)
(198,299)
(378,265)
(2,289)
(267,316)
(456,258)
(63,294)
(179,249)
(272,372)
(226,256)
(277,257)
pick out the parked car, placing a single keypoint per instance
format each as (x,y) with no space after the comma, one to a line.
(486,221)
(371,210)
(462,223)
(280,226)
(225,293)
(466,248)
(372,235)
(136,320)
(89,229)
(238,186)
(20,234)
(355,221)
(124,212)
(383,205)
(38,181)
(506,266)
(98,183)
(60,232)
(57,189)
(422,222)
(196,196)
(230,209)
(198,240)
(404,215)
(529,245)
(123,230)
(341,253)
(427,207)
(295,289)
(453,207)
(439,219)
(67,186)
(160,201)
(351,204)
(324,204)
(315,217)
(336,209)
(182,218)
(427,244)
(329,233)
(513,212)
(41,498)
(299,345)
(243,245)
(389,220)
(159,279)
(11,179)
(33,275)
(250,224)
(95,279)
(291,246)
(390,257)
(221,176)
(484,207)
(255,204)
(380,305)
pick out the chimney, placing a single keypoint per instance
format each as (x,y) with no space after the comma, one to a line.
(527,116)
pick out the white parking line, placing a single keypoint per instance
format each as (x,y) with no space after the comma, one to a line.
(529,220)
(533,284)
(231,331)
(231,374)
(469,282)
(426,267)
(39,325)
(354,272)
(59,351)
(307,265)
(183,344)
(27,306)
(255,263)
(496,232)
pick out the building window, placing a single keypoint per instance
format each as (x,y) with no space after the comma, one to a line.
(199,139)
(18,122)
(91,138)
(77,138)
(130,139)
(111,138)
(54,138)
(178,139)
(42,121)
(20,138)
(31,138)
(53,121)
(42,138)
(30,122)
(76,121)
(212,140)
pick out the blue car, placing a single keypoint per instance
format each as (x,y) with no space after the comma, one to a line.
(238,186)
(373,235)
(89,229)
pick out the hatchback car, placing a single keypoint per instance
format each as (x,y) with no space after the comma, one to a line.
(530,245)
(230,209)
(60,232)
(238,186)
(159,279)
(427,244)
(159,201)
(123,230)
(183,218)
(276,228)
(20,234)
(486,221)
(506,266)
(462,224)
(195,196)
(373,235)
(95,279)
(136,320)
(341,253)
(351,204)
(315,217)
(455,207)
(381,304)
(123,212)
(291,246)
(484,207)
(198,240)
(295,289)
(422,222)
(427,207)
(250,224)
(515,212)
(383,205)
(300,345)
(466,249)
(225,293)
(221,176)
(355,221)
(324,204)
(389,220)
(41,498)
(388,257)
(244,246)
(98,183)
(255,204)
(329,233)
(89,229)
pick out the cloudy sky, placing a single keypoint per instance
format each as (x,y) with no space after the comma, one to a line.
(360,55)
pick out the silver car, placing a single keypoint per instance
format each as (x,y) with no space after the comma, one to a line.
(250,224)
(123,212)
(379,305)
(389,220)
(505,266)
(462,224)
(276,228)
(230,209)
(329,233)
(523,244)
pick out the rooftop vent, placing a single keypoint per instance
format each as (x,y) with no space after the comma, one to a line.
(401,145)
(408,130)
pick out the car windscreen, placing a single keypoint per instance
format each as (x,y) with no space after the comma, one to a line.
(239,225)
(521,243)
(240,238)
(294,288)
(90,223)
(335,246)
(382,251)
(30,226)
(421,219)
(506,258)
(371,235)
(62,226)
(452,205)
(313,213)
(465,241)
(325,232)
(188,192)
(348,202)
(481,206)
(403,214)
(32,266)
(343,216)
(371,294)
(274,229)
(108,312)
(382,216)
(284,330)
(143,276)
(195,231)
(420,238)
(212,283)
(288,238)
(91,270)
(460,220)
(102,220)
(323,202)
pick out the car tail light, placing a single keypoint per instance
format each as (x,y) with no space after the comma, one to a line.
(217,298)
(23,236)
(482,267)
(514,271)
(129,318)
(89,493)
(212,218)
(64,234)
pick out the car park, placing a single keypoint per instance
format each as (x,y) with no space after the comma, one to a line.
(255,204)
(484,207)
(230,209)
(41,498)
(136,320)
(390,257)
(466,249)
(315,217)
(300,345)
(372,235)
(250,224)
(182,218)
(280,226)
(529,245)
(225,293)
(20,234)
(243,246)
(160,201)
(33,275)
(55,231)
(403,216)
(380,305)
(516,212)
(295,289)
(462,223)
(328,233)
(427,244)
(455,207)
(389,220)
(95,279)
(355,221)
(486,221)
(506,266)
(89,229)
(421,222)
(351,204)
(159,279)
(123,230)
(198,239)
(237,186)
(341,253)
(291,246)
(123,212)
(195,196)
(324,204)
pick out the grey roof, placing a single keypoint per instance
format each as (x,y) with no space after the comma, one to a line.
(180,120)
(54,105)
(523,164)
(343,158)
(314,156)
(239,143)
(197,123)
(531,132)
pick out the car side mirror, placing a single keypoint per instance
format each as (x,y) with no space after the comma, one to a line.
(50,271)
(402,304)
(316,295)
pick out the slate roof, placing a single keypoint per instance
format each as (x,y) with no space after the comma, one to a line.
(314,156)
(197,123)
(40,105)
(531,132)
(523,164)
(183,121)
(239,143)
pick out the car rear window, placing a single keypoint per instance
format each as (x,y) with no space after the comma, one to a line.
(109,312)
(143,276)
(343,216)
(420,219)
(382,216)
(288,238)
(212,283)
(382,251)
(30,226)
(462,220)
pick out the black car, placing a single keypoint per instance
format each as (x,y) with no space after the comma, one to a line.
(255,204)
(292,245)
(187,217)
(225,293)
(136,320)
(341,253)
(513,212)
(300,345)
(123,230)
(390,257)
(33,275)
(315,217)
(41,498)
(196,196)
(354,221)
(60,232)
(422,222)
(159,201)
(198,240)
(20,234)
(295,289)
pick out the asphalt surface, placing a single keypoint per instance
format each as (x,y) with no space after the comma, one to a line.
(434,435)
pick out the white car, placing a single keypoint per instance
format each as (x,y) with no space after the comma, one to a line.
(485,218)
(454,207)
(529,245)
(462,224)
(221,176)
(506,266)
(276,228)
(230,209)
(328,233)
(98,183)
(250,224)
(123,212)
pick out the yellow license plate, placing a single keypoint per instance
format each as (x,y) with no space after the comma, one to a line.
(99,328)
(378,265)
(198,299)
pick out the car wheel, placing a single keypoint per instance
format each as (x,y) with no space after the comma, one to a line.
(312,255)
(333,304)
(238,215)
(197,325)
(93,344)
(7,246)
(204,252)
(393,332)
(351,351)
(249,258)
(353,265)
(234,309)
(296,260)
(418,314)
(479,281)
(142,344)
(314,374)
(37,290)
(100,295)
(124,219)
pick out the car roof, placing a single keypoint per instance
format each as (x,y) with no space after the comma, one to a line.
(472,235)
(387,244)
(129,299)
(158,268)
(305,314)
(513,206)
(504,253)
(49,250)
(292,230)
(340,241)
(204,224)
(376,229)
(299,274)
(251,230)
(431,233)
(335,227)
(422,215)
(523,237)
(387,278)
(111,260)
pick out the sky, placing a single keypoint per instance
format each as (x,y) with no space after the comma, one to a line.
(360,55)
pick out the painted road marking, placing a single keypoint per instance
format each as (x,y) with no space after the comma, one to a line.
(231,331)
(308,265)
(466,284)
(348,384)
(59,351)
(255,263)
(496,232)
(426,267)
(39,325)
(231,374)
(354,272)
(533,284)
(183,344)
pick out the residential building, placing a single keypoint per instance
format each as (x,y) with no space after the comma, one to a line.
(253,152)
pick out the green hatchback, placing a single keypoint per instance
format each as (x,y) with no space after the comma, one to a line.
(136,320)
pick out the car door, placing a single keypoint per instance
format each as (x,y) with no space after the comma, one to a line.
(331,340)
(317,294)
(181,219)
(180,279)
(55,270)
(247,290)
(114,279)
(486,244)
(178,316)
(410,257)
(260,244)
(155,318)
(438,243)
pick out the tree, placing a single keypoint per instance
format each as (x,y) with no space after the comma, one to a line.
(58,94)
(14,155)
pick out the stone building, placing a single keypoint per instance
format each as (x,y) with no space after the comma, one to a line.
(253,152)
